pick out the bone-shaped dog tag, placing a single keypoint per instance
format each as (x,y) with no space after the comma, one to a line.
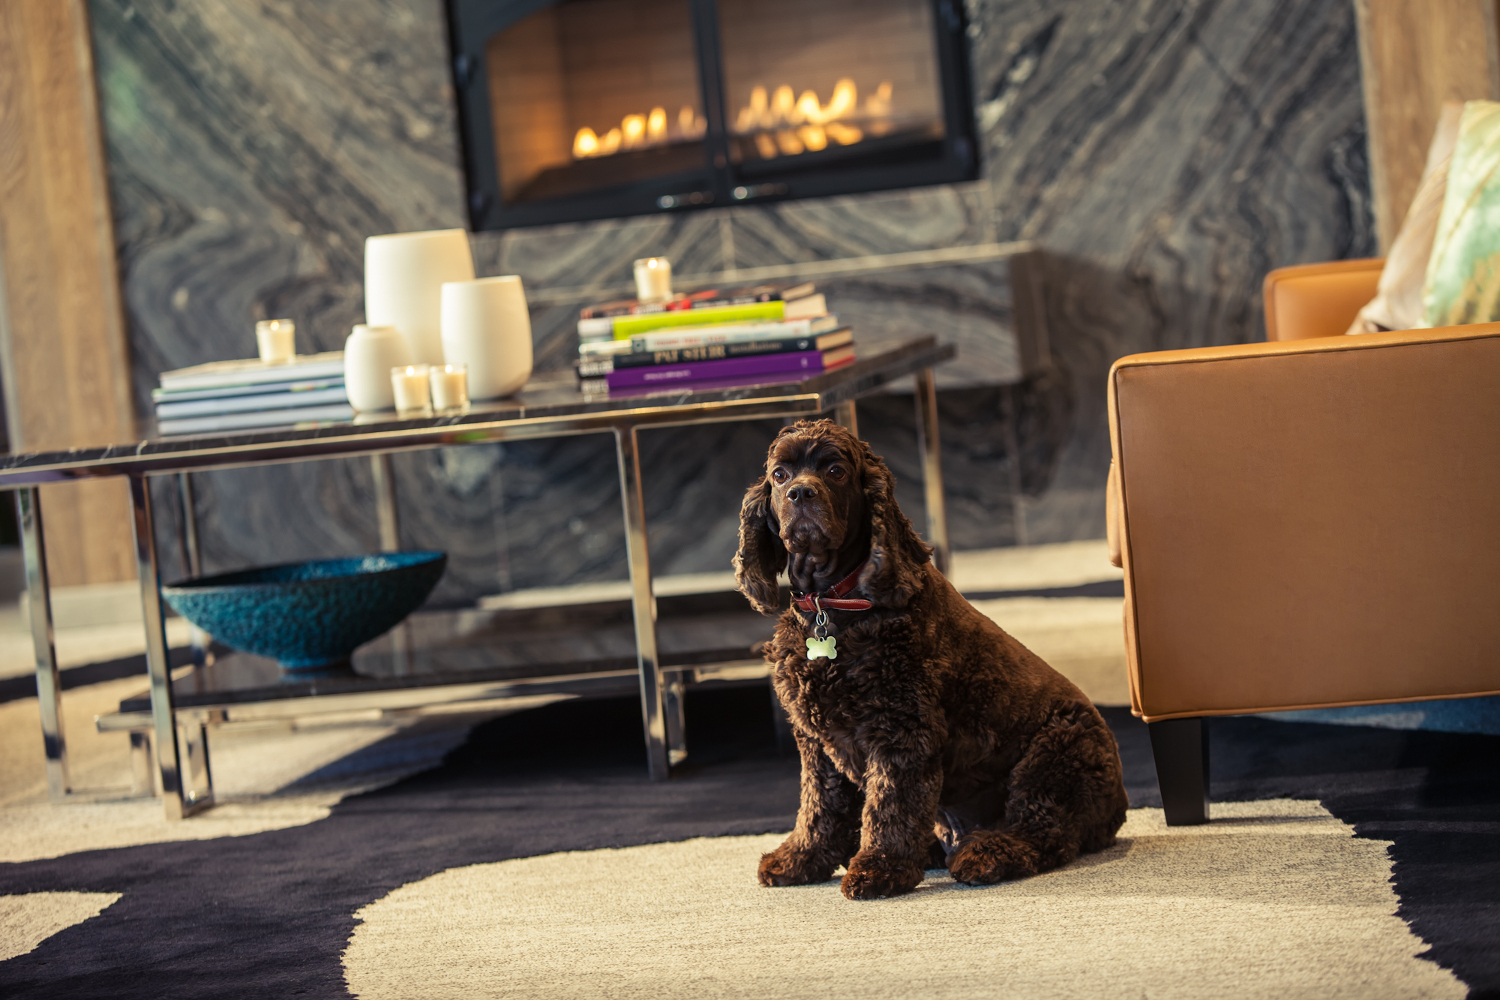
(822,647)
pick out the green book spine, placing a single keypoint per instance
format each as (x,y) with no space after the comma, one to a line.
(631,326)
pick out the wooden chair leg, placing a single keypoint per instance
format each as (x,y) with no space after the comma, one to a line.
(1180,747)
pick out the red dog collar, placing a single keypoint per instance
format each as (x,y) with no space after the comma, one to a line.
(835,599)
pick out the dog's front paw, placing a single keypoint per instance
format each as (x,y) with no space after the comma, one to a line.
(987,857)
(875,874)
(788,865)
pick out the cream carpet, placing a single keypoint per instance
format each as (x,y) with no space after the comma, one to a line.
(29,919)
(1275,899)
(267,777)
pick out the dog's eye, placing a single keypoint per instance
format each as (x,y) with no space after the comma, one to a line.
(779,475)
(837,473)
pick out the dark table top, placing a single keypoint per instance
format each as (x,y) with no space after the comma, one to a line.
(548,406)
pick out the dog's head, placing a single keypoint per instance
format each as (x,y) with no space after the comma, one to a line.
(827,501)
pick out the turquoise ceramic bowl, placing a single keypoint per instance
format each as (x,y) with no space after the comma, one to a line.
(311,615)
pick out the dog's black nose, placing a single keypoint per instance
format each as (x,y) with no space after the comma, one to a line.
(799,493)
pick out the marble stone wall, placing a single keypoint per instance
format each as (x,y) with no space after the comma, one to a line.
(1162,154)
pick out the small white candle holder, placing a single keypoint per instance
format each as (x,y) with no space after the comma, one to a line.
(653,279)
(277,340)
(450,386)
(411,388)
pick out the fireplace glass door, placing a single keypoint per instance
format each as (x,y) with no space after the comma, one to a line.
(584,109)
(591,95)
(827,86)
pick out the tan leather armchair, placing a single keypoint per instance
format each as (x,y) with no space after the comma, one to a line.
(1309,522)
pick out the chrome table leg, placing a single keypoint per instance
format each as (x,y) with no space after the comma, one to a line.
(192,561)
(179,801)
(385,502)
(142,781)
(197,777)
(659,701)
(845,416)
(48,680)
(932,468)
(389,519)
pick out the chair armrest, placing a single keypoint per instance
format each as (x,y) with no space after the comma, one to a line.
(1114,515)
(1310,523)
(1318,300)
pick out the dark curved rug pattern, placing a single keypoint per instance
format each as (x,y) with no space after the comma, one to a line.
(270,914)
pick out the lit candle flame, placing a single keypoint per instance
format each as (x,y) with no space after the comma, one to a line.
(656,124)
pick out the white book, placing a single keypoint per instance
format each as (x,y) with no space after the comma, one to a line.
(731,333)
(331,413)
(603,348)
(600,328)
(808,305)
(251,371)
(259,389)
(248,404)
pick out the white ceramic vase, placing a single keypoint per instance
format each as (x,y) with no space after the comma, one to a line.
(404,276)
(369,355)
(487,327)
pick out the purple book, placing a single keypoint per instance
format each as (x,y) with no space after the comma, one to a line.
(794,362)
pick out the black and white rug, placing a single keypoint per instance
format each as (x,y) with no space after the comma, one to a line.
(538,861)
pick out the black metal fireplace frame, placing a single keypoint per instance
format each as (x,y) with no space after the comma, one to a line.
(721,181)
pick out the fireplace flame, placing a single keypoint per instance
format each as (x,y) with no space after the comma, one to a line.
(640,132)
(780,122)
(782,125)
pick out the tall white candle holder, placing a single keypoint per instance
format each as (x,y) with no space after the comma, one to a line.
(404,275)
(487,327)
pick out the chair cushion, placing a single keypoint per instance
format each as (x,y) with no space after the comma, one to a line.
(1463,274)
(1397,304)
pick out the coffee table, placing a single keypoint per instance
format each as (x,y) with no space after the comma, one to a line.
(423,664)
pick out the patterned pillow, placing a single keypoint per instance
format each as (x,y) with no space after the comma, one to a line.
(1397,304)
(1463,274)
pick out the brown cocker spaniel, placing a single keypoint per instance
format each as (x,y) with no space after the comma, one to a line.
(928,735)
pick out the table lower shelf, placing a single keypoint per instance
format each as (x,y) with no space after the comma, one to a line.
(443,657)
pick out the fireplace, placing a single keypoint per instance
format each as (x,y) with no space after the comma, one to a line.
(588,109)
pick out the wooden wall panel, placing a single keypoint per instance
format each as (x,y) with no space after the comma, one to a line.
(62,341)
(1414,55)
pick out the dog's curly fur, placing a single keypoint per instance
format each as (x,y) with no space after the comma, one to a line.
(932,737)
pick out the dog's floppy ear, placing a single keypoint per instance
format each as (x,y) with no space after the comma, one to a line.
(897,552)
(761,555)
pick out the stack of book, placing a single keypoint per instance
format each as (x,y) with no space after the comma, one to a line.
(711,339)
(239,395)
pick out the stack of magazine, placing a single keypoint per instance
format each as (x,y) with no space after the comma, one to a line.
(239,395)
(711,339)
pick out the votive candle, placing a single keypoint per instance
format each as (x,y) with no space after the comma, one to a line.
(410,386)
(276,340)
(653,279)
(450,386)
